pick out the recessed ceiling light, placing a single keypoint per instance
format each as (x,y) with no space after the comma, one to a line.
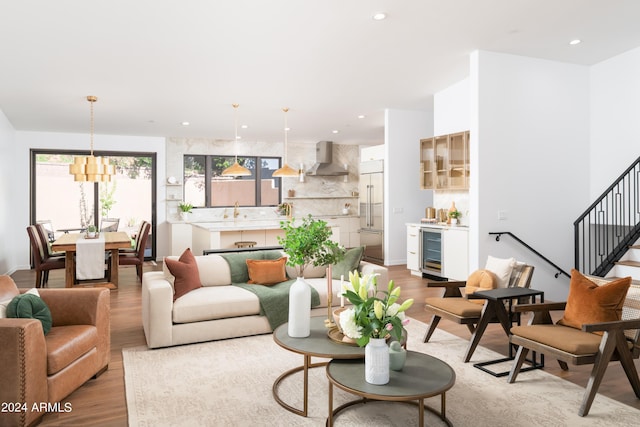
(361,116)
(335,131)
(185,123)
(379,16)
(575,42)
(245,126)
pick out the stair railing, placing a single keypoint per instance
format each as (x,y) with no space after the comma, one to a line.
(604,232)
(500,233)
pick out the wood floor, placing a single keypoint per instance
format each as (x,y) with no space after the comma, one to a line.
(101,402)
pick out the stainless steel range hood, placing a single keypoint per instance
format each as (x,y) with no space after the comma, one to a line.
(324,165)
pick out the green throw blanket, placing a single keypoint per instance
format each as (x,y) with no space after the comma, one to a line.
(274,300)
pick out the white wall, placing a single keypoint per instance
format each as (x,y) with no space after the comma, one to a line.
(615,124)
(451,109)
(530,157)
(406,203)
(10,178)
(24,141)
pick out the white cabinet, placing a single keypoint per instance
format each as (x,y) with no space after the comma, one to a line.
(354,233)
(452,248)
(455,253)
(180,238)
(413,249)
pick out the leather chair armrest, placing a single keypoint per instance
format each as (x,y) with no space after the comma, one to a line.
(23,374)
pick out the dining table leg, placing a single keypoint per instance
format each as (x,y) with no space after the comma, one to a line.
(114,266)
(69,268)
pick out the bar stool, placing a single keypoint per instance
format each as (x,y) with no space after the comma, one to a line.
(245,244)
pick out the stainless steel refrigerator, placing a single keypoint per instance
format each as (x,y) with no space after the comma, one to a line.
(372,210)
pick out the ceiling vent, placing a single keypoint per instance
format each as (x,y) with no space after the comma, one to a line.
(324,165)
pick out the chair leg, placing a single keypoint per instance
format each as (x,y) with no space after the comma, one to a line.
(45,278)
(432,327)
(607,346)
(38,278)
(471,327)
(521,355)
(139,272)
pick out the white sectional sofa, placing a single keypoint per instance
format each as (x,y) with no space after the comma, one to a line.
(218,309)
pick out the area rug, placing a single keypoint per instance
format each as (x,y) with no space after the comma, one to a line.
(228,383)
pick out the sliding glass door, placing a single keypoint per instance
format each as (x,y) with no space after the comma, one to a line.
(70,206)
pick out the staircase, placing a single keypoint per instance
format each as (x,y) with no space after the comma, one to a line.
(607,234)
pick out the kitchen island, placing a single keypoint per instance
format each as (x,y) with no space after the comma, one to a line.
(200,236)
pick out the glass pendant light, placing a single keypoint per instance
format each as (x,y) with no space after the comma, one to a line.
(235,169)
(285,171)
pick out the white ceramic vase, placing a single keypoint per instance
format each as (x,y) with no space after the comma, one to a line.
(184,216)
(299,325)
(376,361)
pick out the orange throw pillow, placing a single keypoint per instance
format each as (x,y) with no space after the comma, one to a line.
(480,280)
(267,271)
(590,303)
(185,270)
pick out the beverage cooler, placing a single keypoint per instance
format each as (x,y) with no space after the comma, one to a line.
(431,251)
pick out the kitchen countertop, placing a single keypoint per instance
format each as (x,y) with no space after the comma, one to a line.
(231,225)
(439,225)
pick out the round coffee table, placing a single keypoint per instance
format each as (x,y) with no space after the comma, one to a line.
(317,344)
(423,376)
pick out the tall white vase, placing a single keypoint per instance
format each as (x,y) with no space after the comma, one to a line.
(376,361)
(299,309)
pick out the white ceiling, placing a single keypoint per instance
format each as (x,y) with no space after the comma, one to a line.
(156,63)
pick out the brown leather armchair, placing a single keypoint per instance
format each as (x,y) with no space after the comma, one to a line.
(38,369)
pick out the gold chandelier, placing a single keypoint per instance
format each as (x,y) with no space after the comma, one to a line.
(235,169)
(91,168)
(285,171)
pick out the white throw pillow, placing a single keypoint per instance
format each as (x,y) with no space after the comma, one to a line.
(3,308)
(33,291)
(502,268)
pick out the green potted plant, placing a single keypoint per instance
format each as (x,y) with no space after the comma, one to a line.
(454,215)
(185,210)
(91,231)
(306,243)
(309,243)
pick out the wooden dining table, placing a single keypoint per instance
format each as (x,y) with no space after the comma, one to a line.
(113,241)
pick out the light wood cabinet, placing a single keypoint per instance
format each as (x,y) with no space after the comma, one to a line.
(444,162)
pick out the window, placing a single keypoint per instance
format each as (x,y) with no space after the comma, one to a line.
(129,197)
(204,185)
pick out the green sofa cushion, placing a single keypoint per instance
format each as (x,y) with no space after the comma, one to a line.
(350,262)
(29,306)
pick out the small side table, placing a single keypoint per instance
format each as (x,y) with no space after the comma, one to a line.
(423,376)
(317,344)
(495,306)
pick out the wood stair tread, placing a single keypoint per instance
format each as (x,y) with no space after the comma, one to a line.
(629,263)
(633,282)
(634,247)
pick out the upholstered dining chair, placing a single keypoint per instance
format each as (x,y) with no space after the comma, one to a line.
(43,232)
(136,240)
(109,224)
(47,224)
(577,340)
(455,306)
(42,261)
(137,258)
